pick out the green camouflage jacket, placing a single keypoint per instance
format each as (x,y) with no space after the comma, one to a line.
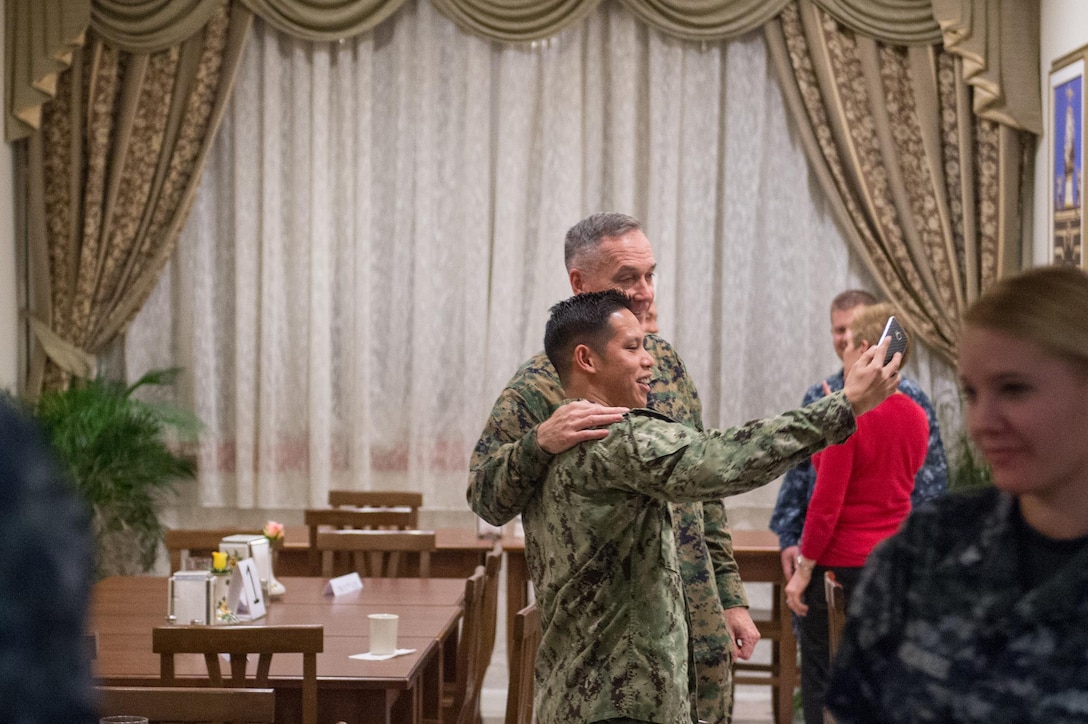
(603,558)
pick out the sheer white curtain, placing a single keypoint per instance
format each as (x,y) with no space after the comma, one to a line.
(378,238)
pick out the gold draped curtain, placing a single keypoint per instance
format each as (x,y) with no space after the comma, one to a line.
(992,36)
(928,192)
(933,199)
(111,175)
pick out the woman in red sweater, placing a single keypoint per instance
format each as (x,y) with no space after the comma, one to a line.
(862,494)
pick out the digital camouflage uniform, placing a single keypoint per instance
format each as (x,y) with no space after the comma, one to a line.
(46,573)
(508,467)
(788,518)
(603,558)
(943,628)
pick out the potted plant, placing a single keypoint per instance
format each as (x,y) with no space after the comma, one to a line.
(117,451)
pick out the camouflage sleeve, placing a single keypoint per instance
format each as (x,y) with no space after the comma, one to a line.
(685,406)
(507,464)
(684,465)
(932,479)
(719,543)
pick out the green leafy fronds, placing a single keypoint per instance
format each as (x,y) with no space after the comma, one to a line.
(967,469)
(115,447)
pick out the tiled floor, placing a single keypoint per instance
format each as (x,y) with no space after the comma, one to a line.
(752,706)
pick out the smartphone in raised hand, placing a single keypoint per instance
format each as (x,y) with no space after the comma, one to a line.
(898,336)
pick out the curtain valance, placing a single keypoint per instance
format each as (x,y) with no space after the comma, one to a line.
(148,26)
(40,36)
(998,40)
(899,22)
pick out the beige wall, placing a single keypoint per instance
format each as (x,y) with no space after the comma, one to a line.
(1063,28)
(9,309)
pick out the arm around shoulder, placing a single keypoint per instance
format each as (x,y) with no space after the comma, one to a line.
(507,464)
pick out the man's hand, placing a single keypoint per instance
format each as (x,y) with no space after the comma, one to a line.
(869,382)
(576,422)
(789,560)
(743,631)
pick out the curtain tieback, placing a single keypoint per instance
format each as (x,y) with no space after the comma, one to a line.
(64,354)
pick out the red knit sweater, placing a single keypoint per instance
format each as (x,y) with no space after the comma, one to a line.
(863,486)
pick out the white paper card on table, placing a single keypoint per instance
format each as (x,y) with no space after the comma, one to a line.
(344,584)
(246,597)
(381,657)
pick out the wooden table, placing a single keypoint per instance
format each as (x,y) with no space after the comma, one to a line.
(397,691)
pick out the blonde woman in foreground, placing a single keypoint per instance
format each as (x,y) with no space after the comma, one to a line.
(978,610)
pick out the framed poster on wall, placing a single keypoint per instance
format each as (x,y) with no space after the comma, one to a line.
(1066,152)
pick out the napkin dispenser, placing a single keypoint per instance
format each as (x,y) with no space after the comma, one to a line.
(191,598)
(256,547)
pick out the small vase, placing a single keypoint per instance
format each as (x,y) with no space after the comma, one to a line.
(221,598)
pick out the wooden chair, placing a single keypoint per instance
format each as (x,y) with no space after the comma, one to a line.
(489,620)
(237,642)
(774,630)
(460,706)
(836,621)
(182,543)
(522,657)
(318,519)
(836,612)
(381,550)
(188,704)
(379,499)
(476,644)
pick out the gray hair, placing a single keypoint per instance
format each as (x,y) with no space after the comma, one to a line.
(587,234)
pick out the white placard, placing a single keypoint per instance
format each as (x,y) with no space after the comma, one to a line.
(246,597)
(344,584)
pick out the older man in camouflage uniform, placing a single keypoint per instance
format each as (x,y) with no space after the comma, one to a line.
(599,538)
(527,427)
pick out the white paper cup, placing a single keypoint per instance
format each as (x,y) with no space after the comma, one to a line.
(383,633)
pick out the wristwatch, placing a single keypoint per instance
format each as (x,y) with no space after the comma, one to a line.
(806,563)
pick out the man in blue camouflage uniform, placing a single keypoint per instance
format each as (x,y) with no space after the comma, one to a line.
(46,567)
(788,518)
(527,427)
(599,541)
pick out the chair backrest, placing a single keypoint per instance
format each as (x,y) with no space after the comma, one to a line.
(836,612)
(182,543)
(237,642)
(465,695)
(321,519)
(188,704)
(379,499)
(522,657)
(378,552)
(489,618)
